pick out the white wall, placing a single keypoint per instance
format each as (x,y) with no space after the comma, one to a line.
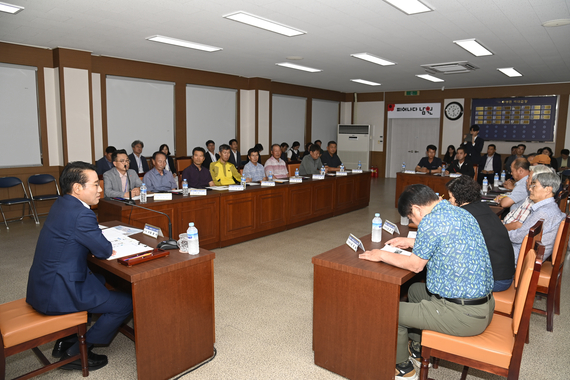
(372,113)
(288,119)
(345,113)
(263,121)
(53,116)
(247,120)
(324,121)
(98,116)
(77,114)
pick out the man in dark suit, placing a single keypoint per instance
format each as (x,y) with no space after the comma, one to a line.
(473,144)
(489,165)
(235,156)
(460,165)
(138,161)
(60,281)
(106,162)
(211,155)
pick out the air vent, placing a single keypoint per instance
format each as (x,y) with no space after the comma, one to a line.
(450,67)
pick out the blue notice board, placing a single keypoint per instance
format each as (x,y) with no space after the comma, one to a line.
(515,119)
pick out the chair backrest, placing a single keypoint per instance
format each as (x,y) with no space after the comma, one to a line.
(182,163)
(560,247)
(534,235)
(6,182)
(475,171)
(42,179)
(563,200)
(291,168)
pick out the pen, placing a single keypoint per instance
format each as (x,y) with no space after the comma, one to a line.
(140,257)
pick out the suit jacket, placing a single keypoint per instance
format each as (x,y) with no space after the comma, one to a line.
(134,165)
(171,164)
(113,185)
(473,151)
(208,159)
(103,166)
(233,160)
(497,163)
(59,281)
(466,168)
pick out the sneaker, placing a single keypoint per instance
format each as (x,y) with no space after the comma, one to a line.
(415,350)
(406,371)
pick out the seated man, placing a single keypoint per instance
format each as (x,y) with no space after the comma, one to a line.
(284,149)
(563,160)
(542,189)
(459,165)
(106,162)
(138,161)
(429,164)
(116,181)
(275,164)
(197,175)
(224,173)
(60,281)
(457,297)
(518,154)
(311,163)
(235,156)
(330,159)
(159,179)
(211,155)
(519,170)
(489,165)
(253,170)
(464,192)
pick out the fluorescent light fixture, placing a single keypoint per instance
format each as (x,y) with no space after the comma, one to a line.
(510,72)
(474,47)
(364,81)
(430,78)
(298,67)
(9,8)
(186,44)
(409,7)
(263,23)
(555,23)
(373,59)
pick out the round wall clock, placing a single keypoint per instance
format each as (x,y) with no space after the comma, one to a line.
(453,111)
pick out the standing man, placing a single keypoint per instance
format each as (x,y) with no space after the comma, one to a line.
(275,164)
(520,170)
(138,161)
(253,170)
(456,298)
(116,181)
(60,281)
(159,179)
(235,156)
(459,165)
(106,162)
(473,144)
(210,155)
(196,174)
(223,172)
(489,165)
(330,159)
(311,163)
(429,164)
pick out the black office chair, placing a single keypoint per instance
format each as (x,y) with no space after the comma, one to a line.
(38,180)
(8,182)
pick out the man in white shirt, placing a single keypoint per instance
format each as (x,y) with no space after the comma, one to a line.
(489,165)
(116,182)
(138,161)
(235,156)
(211,155)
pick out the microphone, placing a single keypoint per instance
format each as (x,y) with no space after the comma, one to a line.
(130,201)
(166,244)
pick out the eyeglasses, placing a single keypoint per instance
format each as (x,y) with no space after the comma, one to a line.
(122,161)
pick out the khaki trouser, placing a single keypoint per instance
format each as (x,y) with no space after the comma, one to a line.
(426,312)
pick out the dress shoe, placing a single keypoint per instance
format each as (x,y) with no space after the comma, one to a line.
(62,345)
(94,362)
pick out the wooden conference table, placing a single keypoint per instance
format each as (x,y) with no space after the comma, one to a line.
(173,308)
(228,217)
(355,311)
(435,182)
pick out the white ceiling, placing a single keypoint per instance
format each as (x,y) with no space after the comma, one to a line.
(335,29)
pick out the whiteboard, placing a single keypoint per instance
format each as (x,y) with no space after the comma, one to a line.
(211,114)
(139,109)
(288,119)
(324,121)
(19,121)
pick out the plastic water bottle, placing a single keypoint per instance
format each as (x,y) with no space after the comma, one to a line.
(437,194)
(503,176)
(485,186)
(443,170)
(403,167)
(359,165)
(193,243)
(296,172)
(496,179)
(341,167)
(143,193)
(270,176)
(243,182)
(376,228)
(185,188)
(323,170)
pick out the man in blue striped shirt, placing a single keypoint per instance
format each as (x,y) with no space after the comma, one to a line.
(253,169)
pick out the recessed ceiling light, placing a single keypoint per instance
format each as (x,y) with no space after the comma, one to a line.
(298,67)
(554,23)
(9,8)
(364,81)
(510,72)
(474,47)
(294,58)
(373,59)
(409,7)
(429,77)
(264,23)
(183,43)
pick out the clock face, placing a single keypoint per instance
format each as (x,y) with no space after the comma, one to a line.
(454,111)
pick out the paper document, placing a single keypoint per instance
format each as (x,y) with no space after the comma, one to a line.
(122,244)
(389,248)
(102,227)
(253,183)
(127,230)
(280,180)
(412,234)
(217,188)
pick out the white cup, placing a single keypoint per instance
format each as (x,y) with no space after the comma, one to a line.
(404,221)
(183,243)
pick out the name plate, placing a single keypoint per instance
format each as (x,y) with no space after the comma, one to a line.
(390,227)
(354,171)
(235,188)
(410,171)
(354,243)
(341,173)
(267,183)
(318,176)
(295,179)
(152,231)
(162,196)
(198,192)
(454,175)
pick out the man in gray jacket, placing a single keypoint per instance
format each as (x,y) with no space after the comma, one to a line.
(311,163)
(116,182)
